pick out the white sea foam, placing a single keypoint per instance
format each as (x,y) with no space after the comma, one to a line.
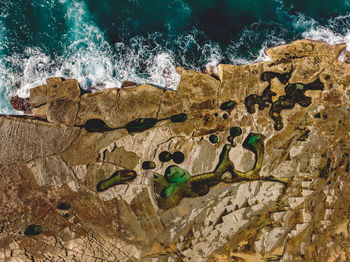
(162,71)
(5,82)
(87,55)
(313,30)
(89,58)
(329,34)
(336,32)
(5,76)
(212,55)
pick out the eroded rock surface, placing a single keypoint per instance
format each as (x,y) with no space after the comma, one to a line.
(247,164)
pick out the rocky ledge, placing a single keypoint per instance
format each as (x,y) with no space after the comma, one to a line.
(247,164)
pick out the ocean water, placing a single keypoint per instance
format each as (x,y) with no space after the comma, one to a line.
(103,42)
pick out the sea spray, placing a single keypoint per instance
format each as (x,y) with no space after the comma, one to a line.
(87,54)
(102,43)
(5,77)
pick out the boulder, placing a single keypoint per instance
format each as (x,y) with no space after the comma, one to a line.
(21,104)
(61,97)
(38,96)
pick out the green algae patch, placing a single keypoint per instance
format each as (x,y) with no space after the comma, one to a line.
(33,230)
(255,143)
(168,192)
(177,183)
(253,139)
(176,178)
(299,86)
(175,174)
(120,177)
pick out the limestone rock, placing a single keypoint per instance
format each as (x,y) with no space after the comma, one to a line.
(122,158)
(58,87)
(58,100)
(118,107)
(38,96)
(196,92)
(24,139)
(62,110)
(41,111)
(233,77)
(203,173)
(141,101)
(99,105)
(196,83)
(305,48)
(278,88)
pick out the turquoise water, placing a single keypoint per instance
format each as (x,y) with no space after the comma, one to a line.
(103,42)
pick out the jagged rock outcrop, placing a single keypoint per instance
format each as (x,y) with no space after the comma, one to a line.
(249,164)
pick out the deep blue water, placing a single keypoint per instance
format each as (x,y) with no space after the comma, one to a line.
(108,41)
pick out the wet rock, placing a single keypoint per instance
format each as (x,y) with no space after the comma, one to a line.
(347,57)
(128,84)
(21,104)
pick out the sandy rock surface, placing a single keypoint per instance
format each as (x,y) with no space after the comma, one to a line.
(249,164)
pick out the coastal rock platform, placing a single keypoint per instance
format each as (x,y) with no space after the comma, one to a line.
(245,163)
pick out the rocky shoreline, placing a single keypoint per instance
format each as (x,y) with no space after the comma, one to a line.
(247,164)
